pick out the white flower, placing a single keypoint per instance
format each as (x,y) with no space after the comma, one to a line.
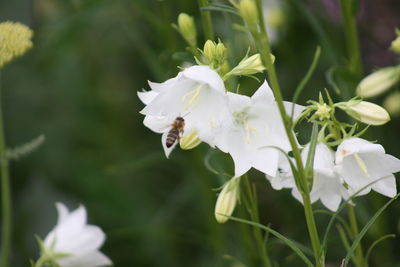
(327,186)
(197,94)
(360,163)
(75,239)
(252,130)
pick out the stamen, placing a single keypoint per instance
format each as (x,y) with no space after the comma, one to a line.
(361,164)
(194,97)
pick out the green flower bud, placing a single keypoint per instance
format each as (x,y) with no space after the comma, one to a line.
(392,104)
(187,28)
(366,112)
(15,40)
(395,46)
(227,200)
(248,11)
(378,82)
(248,66)
(323,111)
(189,141)
(220,51)
(209,50)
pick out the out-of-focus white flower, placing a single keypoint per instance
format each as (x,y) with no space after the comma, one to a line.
(366,112)
(197,94)
(378,82)
(360,163)
(327,185)
(252,131)
(227,200)
(76,241)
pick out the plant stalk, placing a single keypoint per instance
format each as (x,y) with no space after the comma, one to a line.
(351,33)
(5,196)
(206,20)
(359,255)
(251,204)
(260,37)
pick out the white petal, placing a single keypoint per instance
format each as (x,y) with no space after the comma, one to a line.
(167,85)
(167,150)
(266,160)
(297,109)
(90,259)
(263,93)
(62,212)
(238,103)
(331,201)
(386,186)
(147,97)
(158,124)
(203,74)
(356,145)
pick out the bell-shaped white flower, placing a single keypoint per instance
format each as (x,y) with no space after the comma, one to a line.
(361,163)
(253,130)
(76,241)
(197,94)
(327,186)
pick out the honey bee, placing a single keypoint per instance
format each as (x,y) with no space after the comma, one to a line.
(175,132)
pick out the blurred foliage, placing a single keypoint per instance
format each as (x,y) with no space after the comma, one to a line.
(78,86)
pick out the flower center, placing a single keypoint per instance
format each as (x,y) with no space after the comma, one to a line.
(191,98)
(241,118)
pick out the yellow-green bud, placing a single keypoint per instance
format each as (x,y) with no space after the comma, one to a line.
(220,51)
(248,11)
(189,141)
(209,50)
(275,17)
(187,28)
(323,111)
(227,200)
(248,66)
(366,112)
(378,82)
(15,40)
(392,104)
(395,46)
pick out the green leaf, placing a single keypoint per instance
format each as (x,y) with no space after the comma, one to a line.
(366,228)
(25,149)
(376,242)
(311,152)
(286,240)
(307,76)
(220,8)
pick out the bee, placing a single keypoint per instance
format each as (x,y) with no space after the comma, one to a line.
(175,132)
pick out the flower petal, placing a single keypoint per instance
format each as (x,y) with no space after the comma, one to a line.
(203,74)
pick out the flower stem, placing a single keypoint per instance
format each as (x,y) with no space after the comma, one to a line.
(260,37)
(251,204)
(5,197)
(206,20)
(352,42)
(360,260)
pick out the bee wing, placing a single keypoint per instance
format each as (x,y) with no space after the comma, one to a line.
(167,150)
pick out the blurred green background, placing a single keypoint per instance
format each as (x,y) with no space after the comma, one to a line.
(78,86)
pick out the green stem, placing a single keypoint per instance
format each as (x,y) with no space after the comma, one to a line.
(260,37)
(359,255)
(251,204)
(206,20)
(5,196)
(352,42)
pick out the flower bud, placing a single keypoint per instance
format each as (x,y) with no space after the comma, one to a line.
(248,11)
(249,66)
(220,51)
(378,82)
(189,141)
(366,112)
(395,46)
(15,40)
(392,104)
(187,28)
(209,50)
(323,111)
(227,199)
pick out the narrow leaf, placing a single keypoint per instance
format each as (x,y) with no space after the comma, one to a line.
(376,242)
(286,240)
(366,228)
(25,149)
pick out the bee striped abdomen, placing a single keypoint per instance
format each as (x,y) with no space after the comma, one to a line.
(172,136)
